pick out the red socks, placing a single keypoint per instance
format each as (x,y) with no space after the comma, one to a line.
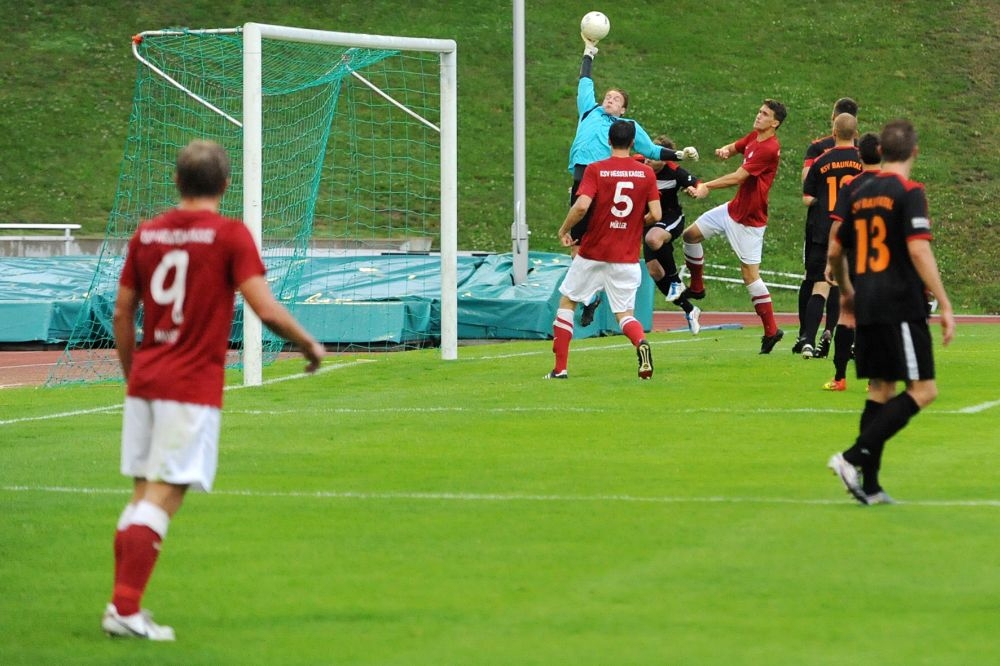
(562,334)
(633,330)
(141,530)
(140,546)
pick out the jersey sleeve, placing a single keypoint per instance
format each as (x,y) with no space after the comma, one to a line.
(918,221)
(741,143)
(129,278)
(246,258)
(684,178)
(588,184)
(644,145)
(814,150)
(585,99)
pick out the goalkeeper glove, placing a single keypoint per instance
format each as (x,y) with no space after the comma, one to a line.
(590,46)
(689,153)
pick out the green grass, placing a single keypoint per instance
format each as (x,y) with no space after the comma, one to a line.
(697,71)
(403,510)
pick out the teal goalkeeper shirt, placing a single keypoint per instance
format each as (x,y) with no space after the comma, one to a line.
(591,141)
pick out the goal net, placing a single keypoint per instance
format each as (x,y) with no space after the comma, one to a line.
(343,148)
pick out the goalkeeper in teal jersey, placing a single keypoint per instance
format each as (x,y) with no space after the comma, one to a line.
(591,143)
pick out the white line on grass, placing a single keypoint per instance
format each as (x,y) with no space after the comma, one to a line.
(982,407)
(234,387)
(583,349)
(506,497)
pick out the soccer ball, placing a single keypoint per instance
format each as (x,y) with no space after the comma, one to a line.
(595,26)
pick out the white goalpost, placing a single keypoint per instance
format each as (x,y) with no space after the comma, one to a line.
(253,35)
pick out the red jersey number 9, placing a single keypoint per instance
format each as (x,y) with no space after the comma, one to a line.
(177,261)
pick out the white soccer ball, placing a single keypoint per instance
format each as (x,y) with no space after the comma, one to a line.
(595,26)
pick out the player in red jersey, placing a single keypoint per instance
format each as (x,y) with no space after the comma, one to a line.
(887,232)
(184,268)
(819,193)
(617,192)
(743,219)
(843,334)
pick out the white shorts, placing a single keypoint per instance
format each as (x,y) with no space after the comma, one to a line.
(170,442)
(747,242)
(586,277)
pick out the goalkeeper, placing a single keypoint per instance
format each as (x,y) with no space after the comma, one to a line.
(591,141)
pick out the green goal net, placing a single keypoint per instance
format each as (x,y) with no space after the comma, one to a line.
(345,176)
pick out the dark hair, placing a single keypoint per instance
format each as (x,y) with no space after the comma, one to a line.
(665,141)
(202,169)
(868,147)
(780,112)
(622,133)
(845,105)
(898,140)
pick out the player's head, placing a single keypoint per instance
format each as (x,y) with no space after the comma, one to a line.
(845,105)
(770,115)
(868,147)
(621,134)
(664,141)
(845,127)
(898,141)
(202,169)
(615,102)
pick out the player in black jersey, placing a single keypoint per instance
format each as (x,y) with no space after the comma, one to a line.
(887,231)
(843,335)
(658,248)
(815,149)
(819,193)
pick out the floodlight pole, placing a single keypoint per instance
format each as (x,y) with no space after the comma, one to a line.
(519,229)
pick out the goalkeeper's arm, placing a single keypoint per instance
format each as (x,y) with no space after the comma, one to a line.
(589,52)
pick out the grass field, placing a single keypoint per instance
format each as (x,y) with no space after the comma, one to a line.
(397,509)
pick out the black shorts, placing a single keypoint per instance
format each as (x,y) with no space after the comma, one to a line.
(674,227)
(577,230)
(815,261)
(894,352)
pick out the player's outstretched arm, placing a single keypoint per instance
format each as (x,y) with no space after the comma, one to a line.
(276,317)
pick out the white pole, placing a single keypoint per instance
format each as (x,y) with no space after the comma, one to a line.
(253,361)
(449,205)
(519,229)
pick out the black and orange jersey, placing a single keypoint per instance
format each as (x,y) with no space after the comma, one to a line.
(817,148)
(884,213)
(826,175)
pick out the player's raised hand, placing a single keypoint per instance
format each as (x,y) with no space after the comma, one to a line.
(690,153)
(723,153)
(589,46)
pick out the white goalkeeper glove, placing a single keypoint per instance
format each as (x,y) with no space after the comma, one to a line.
(590,46)
(689,153)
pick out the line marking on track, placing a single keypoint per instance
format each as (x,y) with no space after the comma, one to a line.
(508,497)
(233,387)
